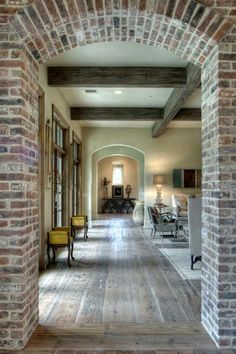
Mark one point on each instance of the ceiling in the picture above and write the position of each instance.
(121, 54)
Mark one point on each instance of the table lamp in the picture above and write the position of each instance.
(159, 180)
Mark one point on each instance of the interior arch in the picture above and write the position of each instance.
(115, 150)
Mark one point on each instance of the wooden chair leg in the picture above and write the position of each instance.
(86, 231)
(154, 233)
(54, 254)
(85, 236)
(72, 250)
(68, 258)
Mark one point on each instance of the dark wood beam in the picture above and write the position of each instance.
(189, 114)
(83, 76)
(177, 99)
(133, 114)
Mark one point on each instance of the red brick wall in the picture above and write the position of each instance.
(219, 203)
(47, 28)
(18, 191)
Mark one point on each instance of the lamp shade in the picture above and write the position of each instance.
(159, 179)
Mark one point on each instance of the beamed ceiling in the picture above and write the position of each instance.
(157, 88)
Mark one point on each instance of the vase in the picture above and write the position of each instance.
(138, 213)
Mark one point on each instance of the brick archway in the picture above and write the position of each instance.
(47, 28)
(188, 29)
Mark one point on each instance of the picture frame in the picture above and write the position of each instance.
(187, 178)
(117, 191)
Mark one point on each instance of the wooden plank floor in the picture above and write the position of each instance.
(118, 276)
(121, 294)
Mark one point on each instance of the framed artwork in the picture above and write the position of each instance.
(187, 178)
(117, 191)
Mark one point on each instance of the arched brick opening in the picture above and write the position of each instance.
(47, 28)
(191, 30)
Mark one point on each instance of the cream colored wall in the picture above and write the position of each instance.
(130, 169)
(176, 148)
(54, 96)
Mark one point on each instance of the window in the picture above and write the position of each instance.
(117, 174)
(76, 178)
(59, 163)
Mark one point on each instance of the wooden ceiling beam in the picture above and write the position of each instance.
(177, 99)
(189, 114)
(84, 76)
(131, 114)
(116, 113)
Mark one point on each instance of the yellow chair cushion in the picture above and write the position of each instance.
(58, 238)
(78, 221)
(62, 228)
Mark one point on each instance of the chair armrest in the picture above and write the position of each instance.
(168, 217)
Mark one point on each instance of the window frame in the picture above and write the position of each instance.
(76, 166)
(60, 151)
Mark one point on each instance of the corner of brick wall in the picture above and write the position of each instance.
(219, 192)
(18, 191)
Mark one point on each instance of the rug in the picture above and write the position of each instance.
(180, 260)
(166, 241)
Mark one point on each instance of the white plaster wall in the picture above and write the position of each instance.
(176, 148)
(54, 96)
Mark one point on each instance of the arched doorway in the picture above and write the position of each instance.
(117, 150)
(192, 31)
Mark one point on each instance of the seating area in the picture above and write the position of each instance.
(183, 224)
(63, 236)
(162, 222)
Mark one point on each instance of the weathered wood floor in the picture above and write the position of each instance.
(118, 276)
(120, 294)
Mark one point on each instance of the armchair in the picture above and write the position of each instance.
(79, 222)
(161, 222)
(60, 237)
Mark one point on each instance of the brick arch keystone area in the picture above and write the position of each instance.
(186, 28)
(45, 28)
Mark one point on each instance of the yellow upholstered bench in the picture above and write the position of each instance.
(79, 222)
(60, 237)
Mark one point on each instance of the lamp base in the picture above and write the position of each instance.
(158, 196)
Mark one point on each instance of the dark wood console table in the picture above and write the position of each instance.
(118, 205)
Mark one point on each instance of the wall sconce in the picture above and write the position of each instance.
(158, 181)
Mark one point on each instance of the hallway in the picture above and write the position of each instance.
(121, 294)
(118, 276)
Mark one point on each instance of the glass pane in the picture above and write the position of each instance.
(117, 175)
(58, 188)
(61, 138)
(54, 131)
(59, 201)
(59, 218)
(75, 151)
(58, 135)
(59, 170)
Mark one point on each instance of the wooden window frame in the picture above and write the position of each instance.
(62, 152)
(76, 163)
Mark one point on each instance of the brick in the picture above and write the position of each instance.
(48, 27)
